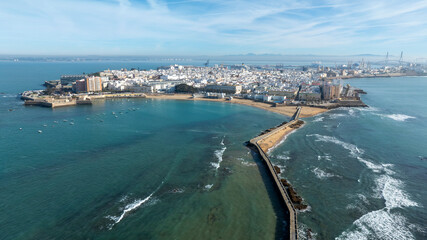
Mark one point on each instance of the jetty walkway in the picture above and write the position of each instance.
(293, 228)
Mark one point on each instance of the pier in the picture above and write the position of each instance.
(256, 142)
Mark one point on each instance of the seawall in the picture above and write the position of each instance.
(277, 134)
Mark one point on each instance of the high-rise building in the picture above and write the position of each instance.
(80, 86)
(93, 84)
(89, 84)
(331, 91)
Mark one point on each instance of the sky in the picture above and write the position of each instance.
(213, 27)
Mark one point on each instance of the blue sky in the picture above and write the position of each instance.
(212, 27)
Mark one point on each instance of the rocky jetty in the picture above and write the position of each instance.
(295, 198)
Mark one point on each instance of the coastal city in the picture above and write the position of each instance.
(314, 85)
(191, 119)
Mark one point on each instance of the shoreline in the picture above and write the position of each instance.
(307, 111)
(387, 75)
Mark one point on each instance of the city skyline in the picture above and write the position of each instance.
(212, 27)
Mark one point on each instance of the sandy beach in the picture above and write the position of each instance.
(274, 139)
(277, 136)
(284, 110)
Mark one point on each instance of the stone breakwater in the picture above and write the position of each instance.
(261, 144)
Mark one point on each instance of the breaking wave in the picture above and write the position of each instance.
(399, 117)
(354, 150)
(320, 174)
(326, 157)
(380, 224)
(377, 168)
(128, 208)
(218, 154)
(391, 190)
(305, 233)
(283, 156)
(383, 223)
(396, 117)
(318, 119)
(336, 115)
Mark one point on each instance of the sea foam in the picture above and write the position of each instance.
(320, 174)
(399, 117)
(318, 119)
(391, 190)
(128, 208)
(219, 154)
(336, 115)
(283, 156)
(326, 157)
(380, 224)
(354, 150)
(383, 223)
(396, 117)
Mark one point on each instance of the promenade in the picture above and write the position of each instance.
(256, 142)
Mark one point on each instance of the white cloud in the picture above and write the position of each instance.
(213, 26)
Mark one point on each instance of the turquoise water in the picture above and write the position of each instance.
(360, 170)
(131, 169)
(162, 169)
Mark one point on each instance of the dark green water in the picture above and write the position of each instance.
(137, 169)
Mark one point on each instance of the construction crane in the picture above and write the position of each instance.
(206, 63)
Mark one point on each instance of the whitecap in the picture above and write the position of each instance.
(336, 115)
(326, 157)
(368, 109)
(379, 224)
(396, 117)
(356, 153)
(354, 150)
(391, 190)
(318, 119)
(219, 154)
(377, 168)
(382, 223)
(304, 231)
(320, 174)
(399, 117)
(307, 209)
(128, 208)
(208, 186)
(282, 157)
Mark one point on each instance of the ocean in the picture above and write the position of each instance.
(362, 171)
(162, 169)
